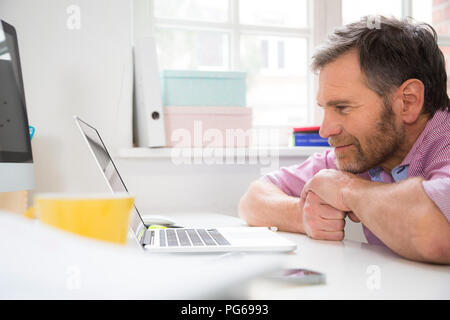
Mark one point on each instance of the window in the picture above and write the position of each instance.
(446, 52)
(267, 39)
(353, 10)
(184, 48)
(271, 41)
(437, 13)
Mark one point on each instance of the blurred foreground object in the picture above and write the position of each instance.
(14, 201)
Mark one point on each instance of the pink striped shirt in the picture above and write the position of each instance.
(428, 158)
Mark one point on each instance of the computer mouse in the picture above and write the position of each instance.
(157, 219)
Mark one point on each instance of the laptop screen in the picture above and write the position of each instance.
(108, 168)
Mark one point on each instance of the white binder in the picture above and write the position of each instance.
(148, 115)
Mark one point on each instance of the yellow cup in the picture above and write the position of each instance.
(99, 216)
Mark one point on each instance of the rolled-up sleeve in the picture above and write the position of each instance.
(437, 178)
(439, 191)
(292, 179)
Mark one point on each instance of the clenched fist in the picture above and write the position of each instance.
(320, 220)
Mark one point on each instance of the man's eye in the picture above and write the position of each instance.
(341, 108)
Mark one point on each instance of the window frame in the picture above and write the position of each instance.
(234, 29)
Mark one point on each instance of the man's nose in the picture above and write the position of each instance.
(330, 126)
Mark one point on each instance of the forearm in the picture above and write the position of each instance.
(402, 216)
(266, 205)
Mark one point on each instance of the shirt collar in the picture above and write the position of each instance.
(399, 173)
(375, 172)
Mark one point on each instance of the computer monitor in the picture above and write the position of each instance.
(16, 159)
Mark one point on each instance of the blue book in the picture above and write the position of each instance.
(309, 140)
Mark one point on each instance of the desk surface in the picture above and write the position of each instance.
(353, 270)
(42, 262)
(47, 266)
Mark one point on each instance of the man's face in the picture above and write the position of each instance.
(357, 122)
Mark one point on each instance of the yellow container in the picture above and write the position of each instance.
(99, 216)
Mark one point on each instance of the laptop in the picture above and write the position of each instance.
(180, 239)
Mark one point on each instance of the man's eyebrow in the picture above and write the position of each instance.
(337, 102)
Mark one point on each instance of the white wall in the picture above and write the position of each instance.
(85, 71)
(162, 186)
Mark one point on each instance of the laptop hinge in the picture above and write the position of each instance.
(148, 237)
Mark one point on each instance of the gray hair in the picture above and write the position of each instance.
(391, 52)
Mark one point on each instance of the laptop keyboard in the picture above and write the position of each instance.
(191, 237)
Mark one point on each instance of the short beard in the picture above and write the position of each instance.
(386, 140)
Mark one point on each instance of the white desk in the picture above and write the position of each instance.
(353, 270)
(42, 262)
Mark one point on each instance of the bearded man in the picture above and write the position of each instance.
(386, 113)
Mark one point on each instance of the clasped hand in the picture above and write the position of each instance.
(323, 206)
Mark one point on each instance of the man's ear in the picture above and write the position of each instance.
(410, 96)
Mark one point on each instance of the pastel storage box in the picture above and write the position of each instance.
(203, 88)
(207, 126)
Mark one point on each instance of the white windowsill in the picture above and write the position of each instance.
(142, 153)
